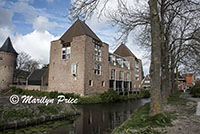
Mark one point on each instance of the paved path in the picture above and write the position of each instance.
(186, 95)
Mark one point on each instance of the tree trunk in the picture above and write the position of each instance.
(172, 74)
(164, 57)
(156, 101)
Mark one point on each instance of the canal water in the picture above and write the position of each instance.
(100, 118)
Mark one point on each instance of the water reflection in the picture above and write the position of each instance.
(100, 119)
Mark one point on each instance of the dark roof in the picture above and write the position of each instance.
(8, 47)
(124, 51)
(37, 74)
(21, 74)
(77, 29)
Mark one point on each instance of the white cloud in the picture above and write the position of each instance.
(42, 24)
(37, 44)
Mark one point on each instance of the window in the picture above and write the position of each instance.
(97, 69)
(103, 83)
(147, 81)
(1, 58)
(66, 52)
(113, 74)
(126, 63)
(121, 75)
(137, 78)
(97, 50)
(120, 62)
(90, 83)
(63, 53)
(74, 68)
(128, 76)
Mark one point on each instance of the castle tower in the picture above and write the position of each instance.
(8, 57)
(78, 62)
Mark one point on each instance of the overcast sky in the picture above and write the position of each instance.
(33, 24)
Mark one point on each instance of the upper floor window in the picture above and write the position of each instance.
(126, 63)
(1, 58)
(112, 59)
(66, 52)
(147, 81)
(97, 69)
(113, 74)
(119, 61)
(121, 75)
(97, 50)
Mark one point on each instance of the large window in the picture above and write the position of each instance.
(97, 69)
(66, 52)
(121, 75)
(113, 74)
(97, 50)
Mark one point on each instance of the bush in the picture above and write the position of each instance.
(144, 93)
(110, 96)
(53, 94)
(195, 91)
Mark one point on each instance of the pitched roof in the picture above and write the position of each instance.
(37, 74)
(124, 51)
(8, 47)
(77, 29)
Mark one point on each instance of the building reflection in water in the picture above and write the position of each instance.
(100, 119)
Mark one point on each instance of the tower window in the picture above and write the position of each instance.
(97, 50)
(90, 83)
(66, 51)
(1, 58)
(97, 69)
(103, 83)
(74, 68)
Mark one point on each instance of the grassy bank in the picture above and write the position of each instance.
(142, 123)
(111, 96)
(46, 128)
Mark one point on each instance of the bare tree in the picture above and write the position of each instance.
(24, 62)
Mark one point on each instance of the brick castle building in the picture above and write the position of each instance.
(81, 63)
